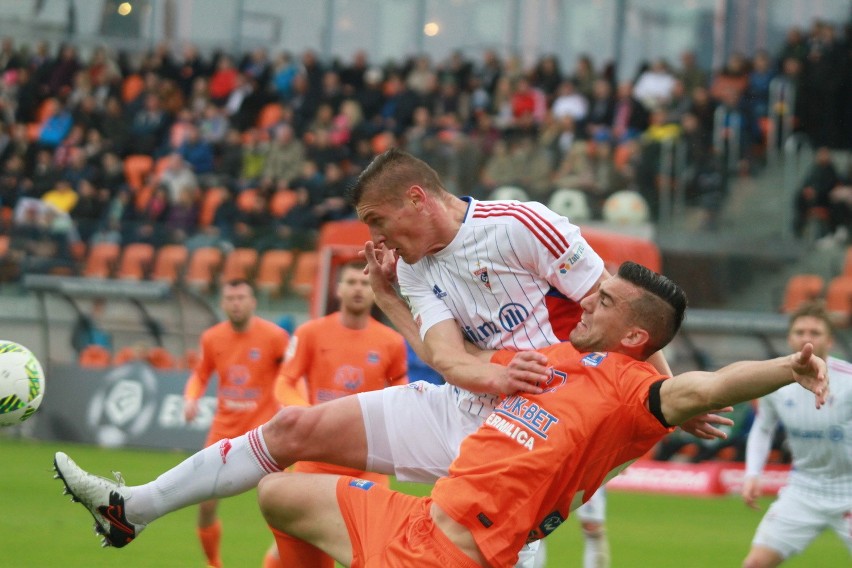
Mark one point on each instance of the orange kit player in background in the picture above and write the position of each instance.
(246, 352)
(343, 353)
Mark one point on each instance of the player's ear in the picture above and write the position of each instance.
(635, 338)
(415, 195)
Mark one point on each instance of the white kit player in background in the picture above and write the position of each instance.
(818, 494)
(506, 271)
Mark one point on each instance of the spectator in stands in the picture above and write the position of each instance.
(89, 210)
(196, 152)
(690, 73)
(601, 110)
(149, 127)
(177, 177)
(62, 197)
(757, 92)
(253, 161)
(116, 128)
(56, 127)
(284, 156)
(570, 102)
(296, 229)
(252, 224)
(13, 181)
(585, 76)
(630, 118)
(181, 218)
(654, 86)
(36, 246)
(547, 76)
(811, 209)
(223, 80)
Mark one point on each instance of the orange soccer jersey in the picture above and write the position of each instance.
(247, 364)
(538, 457)
(337, 361)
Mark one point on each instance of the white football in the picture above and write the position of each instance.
(21, 383)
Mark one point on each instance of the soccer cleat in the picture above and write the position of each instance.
(103, 498)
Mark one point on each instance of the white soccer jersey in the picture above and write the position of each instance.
(820, 440)
(511, 278)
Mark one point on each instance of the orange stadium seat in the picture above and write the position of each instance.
(190, 359)
(128, 354)
(838, 299)
(169, 262)
(270, 115)
(136, 260)
(203, 265)
(210, 202)
(801, 288)
(94, 356)
(282, 201)
(101, 260)
(273, 269)
(352, 232)
(847, 262)
(239, 264)
(137, 168)
(305, 273)
(246, 199)
(131, 87)
(160, 358)
(4, 245)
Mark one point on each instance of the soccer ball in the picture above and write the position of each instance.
(21, 383)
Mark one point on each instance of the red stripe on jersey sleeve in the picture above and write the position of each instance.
(544, 231)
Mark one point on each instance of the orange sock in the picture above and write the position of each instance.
(295, 553)
(210, 538)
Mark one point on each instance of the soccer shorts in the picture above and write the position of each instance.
(414, 430)
(593, 510)
(794, 520)
(394, 530)
(317, 467)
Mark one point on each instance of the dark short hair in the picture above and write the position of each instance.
(391, 173)
(239, 282)
(661, 309)
(353, 264)
(815, 309)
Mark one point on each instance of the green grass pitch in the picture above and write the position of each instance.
(40, 528)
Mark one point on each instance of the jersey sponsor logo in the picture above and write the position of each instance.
(550, 523)
(482, 274)
(573, 259)
(593, 359)
(224, 448)
(512, 315)
(835, 433)
(254, 354)
(521, 420)
(361, 484)
(349, 377)
(373, 357)
(440, 294)
(238, 374)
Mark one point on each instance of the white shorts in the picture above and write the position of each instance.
(414, 432)
(794, 520)
(593, 510)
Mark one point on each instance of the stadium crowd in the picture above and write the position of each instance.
(257, 149)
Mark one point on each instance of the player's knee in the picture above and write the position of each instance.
(287, 435)
(266, 491)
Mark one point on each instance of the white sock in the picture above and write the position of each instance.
(596, 551)
(226, 468)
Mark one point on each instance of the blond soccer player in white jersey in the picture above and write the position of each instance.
(818, 494)
(508, 293)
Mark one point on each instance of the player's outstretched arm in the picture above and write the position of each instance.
(693, 393)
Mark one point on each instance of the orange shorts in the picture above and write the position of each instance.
(317, 467)
(389, 529)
